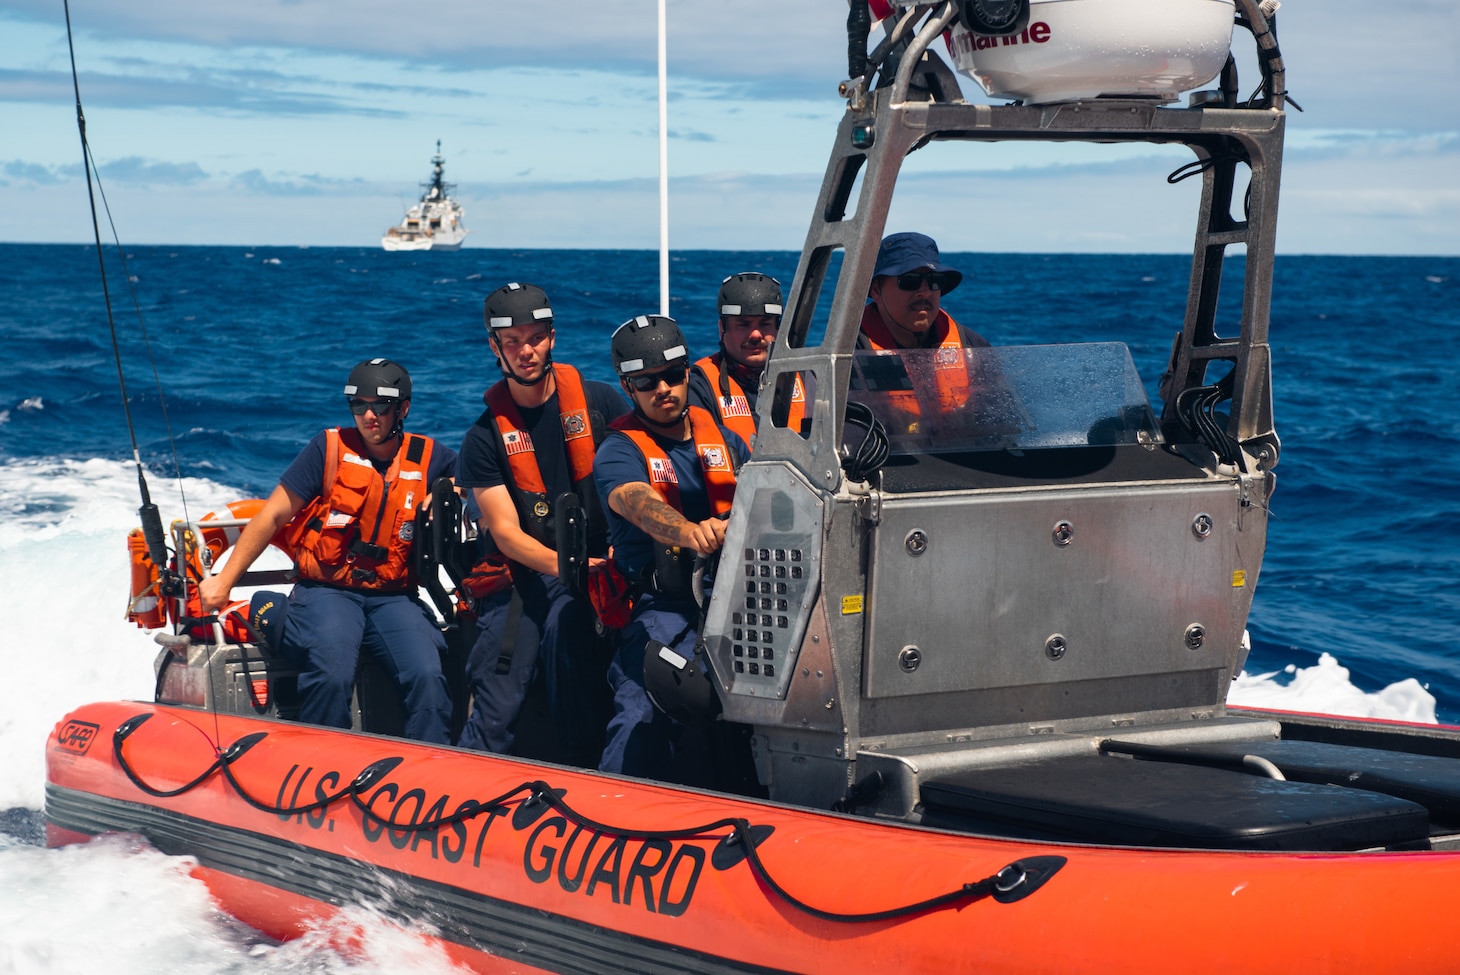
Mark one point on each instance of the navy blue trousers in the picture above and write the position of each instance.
(642, 740)
(555, 635)
(326, 628)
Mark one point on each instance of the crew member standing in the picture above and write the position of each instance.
(904, 312)
(356, 584)
(533, 443)
(905, 300)
(667, 477)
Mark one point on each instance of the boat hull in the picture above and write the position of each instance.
(439, 243)
(593, 875)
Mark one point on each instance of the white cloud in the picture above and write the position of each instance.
(744, 41)
(312, 121)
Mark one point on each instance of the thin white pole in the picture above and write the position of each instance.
(663, 163)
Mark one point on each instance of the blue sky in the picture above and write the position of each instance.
(313, 121)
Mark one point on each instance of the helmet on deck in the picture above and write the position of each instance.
(380, 378)
(517, 304)
(750, 293)
(648, 342)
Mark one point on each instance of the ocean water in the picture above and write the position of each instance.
(1358, 598)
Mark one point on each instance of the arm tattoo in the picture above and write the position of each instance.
(643, 506)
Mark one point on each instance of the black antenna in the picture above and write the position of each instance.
(151, 517)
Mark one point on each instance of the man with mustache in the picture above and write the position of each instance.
(667, 478)
(728, 382)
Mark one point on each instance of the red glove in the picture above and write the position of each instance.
(608, 591)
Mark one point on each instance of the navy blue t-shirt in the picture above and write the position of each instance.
(482, 464)
(305, 475)
(620, 462)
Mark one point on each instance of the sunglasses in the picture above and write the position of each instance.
(913, 280)
(380, 407)
(650, 381)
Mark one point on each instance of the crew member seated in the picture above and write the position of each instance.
(350, 501)
(533, 444)
(666, 475)
(727, 383)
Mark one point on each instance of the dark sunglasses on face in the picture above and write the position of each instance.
(380, 407)
(913, 280)
(650, 381)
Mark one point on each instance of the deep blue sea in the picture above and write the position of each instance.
(1356, 610)
(251, 347)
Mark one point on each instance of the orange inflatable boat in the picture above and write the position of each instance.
(983, 647)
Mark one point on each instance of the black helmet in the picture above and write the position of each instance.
(380, 378)
(648, 342)
(517, 304)
(679, 686)
(750, 293)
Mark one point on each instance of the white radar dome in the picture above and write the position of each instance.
(1074, 49)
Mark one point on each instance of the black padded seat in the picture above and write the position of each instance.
(1128, 802)
(1430, 780)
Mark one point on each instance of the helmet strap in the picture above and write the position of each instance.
(506, 370)
(644, 417)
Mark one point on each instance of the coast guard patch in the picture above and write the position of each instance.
(661, 471)
(575, 424)
(517, 442)
(407, 531)
(714, 458)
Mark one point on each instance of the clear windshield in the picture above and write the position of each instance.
(1009, 397)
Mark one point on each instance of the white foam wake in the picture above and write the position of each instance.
(1325, 688)
(63, 595)
(63, 642)
(141, 912)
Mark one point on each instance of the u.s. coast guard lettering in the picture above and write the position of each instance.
(653, 874)
(660, 874)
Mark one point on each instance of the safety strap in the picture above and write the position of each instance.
(509, 634)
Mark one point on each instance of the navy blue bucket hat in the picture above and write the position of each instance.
(901, 253)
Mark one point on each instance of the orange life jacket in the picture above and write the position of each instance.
(358, 532)
(716, 462)
(953, 387)
(733, 405)
(524, 476)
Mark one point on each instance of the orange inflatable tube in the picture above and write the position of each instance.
(525, 867)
